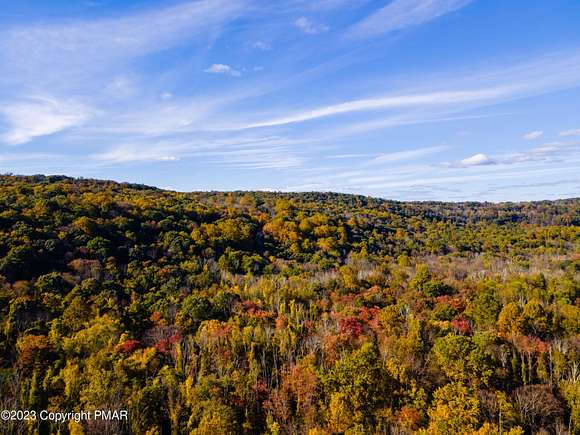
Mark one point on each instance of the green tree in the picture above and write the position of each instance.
(463, 359)
(359, 385)
(455, 410)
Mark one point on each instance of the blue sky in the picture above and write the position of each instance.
(403, 99)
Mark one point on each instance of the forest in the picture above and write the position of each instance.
(286, 313)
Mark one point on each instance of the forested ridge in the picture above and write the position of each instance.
(286, 313)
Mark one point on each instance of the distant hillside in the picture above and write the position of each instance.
(563, 211)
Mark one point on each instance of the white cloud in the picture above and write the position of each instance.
(574, 132)
(347, 156)
(453, 92)
(61, 52)
(550, 152)
(480, 177)
(236, 152)
(533, 135)
(400, 14)
(406, 155)
(220, 68)
(479, 159)
(256, 157)
(309, 27)
(261, 45)
(469, 177)
(325, 5)
(476, 160)
(35, 117)
(388, 102)
(128, 153)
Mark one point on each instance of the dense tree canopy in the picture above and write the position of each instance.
(275, 313)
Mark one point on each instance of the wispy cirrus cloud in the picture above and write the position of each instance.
(555, 151)
(400, 14)
(387, 102)
(271, 157)
(40, 116)
(468, 177)
(136, 153)
(573, 132)
(323, 5)
(405, 175)
(86, 64)
(399, 156)
(241, 152)
(552, 151)
(75, 49)
(457, 90)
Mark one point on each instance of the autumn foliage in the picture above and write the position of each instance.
(271, 313)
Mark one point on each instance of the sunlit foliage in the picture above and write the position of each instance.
(314, 313)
